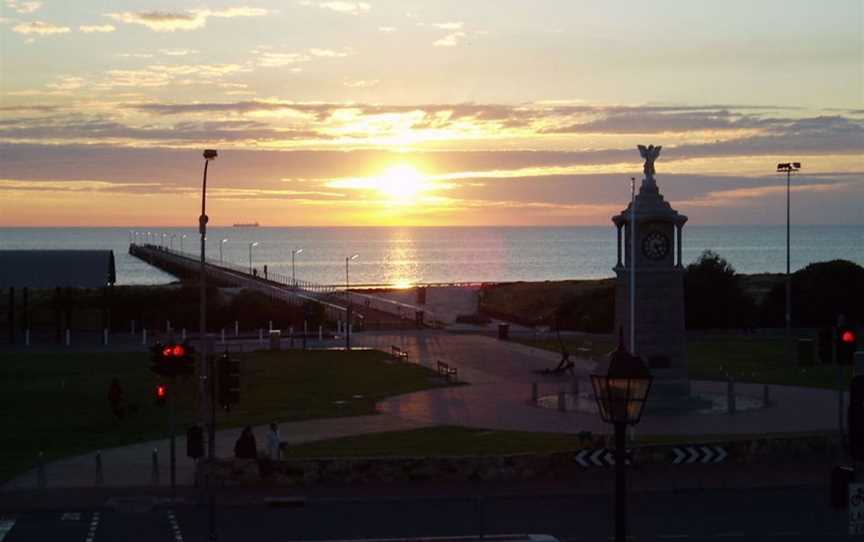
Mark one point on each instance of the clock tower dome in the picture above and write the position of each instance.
(658, 295)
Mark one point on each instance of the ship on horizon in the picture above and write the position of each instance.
(246, 225)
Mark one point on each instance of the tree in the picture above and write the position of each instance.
(713, 296)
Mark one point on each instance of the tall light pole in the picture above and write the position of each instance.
(293, 254)
(181, 241)
(222, 242)
(632, 264)
(164, 236)
(348, 303)
(788, 168)
(205, 383)
(252, 244)
(171, 240)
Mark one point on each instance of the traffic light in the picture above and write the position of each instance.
(229, 380)
(856, 418)
(161, 394)
(172, 359)
(847, 343)
(195, 442)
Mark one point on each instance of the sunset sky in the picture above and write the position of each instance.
(402, 112)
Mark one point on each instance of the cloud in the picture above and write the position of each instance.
(330, 53)
(450, 40)
(170, 21)
(92, 29)
(67, 82)
(40, 28)
(387, 28)
(177, 52)
(360, 83)
(449, 26)
(23, 7)
(351, 8)
(269, 59)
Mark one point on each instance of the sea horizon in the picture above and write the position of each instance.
(405, 255)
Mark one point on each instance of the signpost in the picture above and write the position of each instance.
(856, 509)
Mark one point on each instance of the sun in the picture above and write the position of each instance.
(402, 183)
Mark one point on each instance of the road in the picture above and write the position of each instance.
(798, 514)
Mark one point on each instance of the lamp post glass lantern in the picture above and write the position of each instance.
(621, 395)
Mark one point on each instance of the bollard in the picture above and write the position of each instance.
(183, 334)
(99, 476)
(144, 337)
(154, 478)
(105, 337)
(562, 401)
(236, 328)
(26, 337)
(68, 337)
(320, 333)
(766, 397)
(167, 326)
(260, 336)
(223, 335)
(730, 395)
(575, 385)
(40, 470)
(535, 392)
(132, 327)
(270, 325)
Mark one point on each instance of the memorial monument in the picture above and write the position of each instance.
(660, 337)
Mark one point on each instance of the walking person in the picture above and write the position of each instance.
(115, 397)
(274, 442)
(246, 447)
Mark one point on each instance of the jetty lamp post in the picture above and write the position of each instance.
(621, 395)
(293, 279)
(252, 244)
(171, 240)
(222, 242)
(181, 241)
(203, 368)
(788, 168)
(348, 303)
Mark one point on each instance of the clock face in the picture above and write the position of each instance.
(655, 245)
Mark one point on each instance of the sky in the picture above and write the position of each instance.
(404, 112)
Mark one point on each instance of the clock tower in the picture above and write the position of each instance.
(656, 266)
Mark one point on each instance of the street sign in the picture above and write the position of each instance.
(856, 508)
(698, 454)
(598, 457)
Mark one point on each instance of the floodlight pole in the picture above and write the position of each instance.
(788, 168)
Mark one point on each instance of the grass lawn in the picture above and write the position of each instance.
(452, 440)
(747, 359)
(58, 402)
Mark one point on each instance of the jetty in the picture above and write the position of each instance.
(367, 311)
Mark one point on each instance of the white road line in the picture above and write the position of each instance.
(6, 526)
(94, 524)
(175, 527)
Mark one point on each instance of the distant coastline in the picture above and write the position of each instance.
(246, 225)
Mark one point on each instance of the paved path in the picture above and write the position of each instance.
(500, 374)
(133, 465)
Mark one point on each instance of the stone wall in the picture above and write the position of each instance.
(348, 471)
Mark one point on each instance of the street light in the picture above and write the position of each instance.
(181, 241)
(222, 242)
(621, 395)
(293, 254)
(205, 382)
(252, 244)
(788, 168)
(348, 303)
(171, 240)
(164, 236)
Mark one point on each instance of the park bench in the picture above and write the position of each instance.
(451, 373)
(398, 354)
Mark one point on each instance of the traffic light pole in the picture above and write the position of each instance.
(172, 429)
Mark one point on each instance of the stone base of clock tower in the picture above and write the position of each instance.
(661, 339)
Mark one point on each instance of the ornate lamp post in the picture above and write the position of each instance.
(621, 395)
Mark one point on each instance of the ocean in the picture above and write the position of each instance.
(405, 255)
